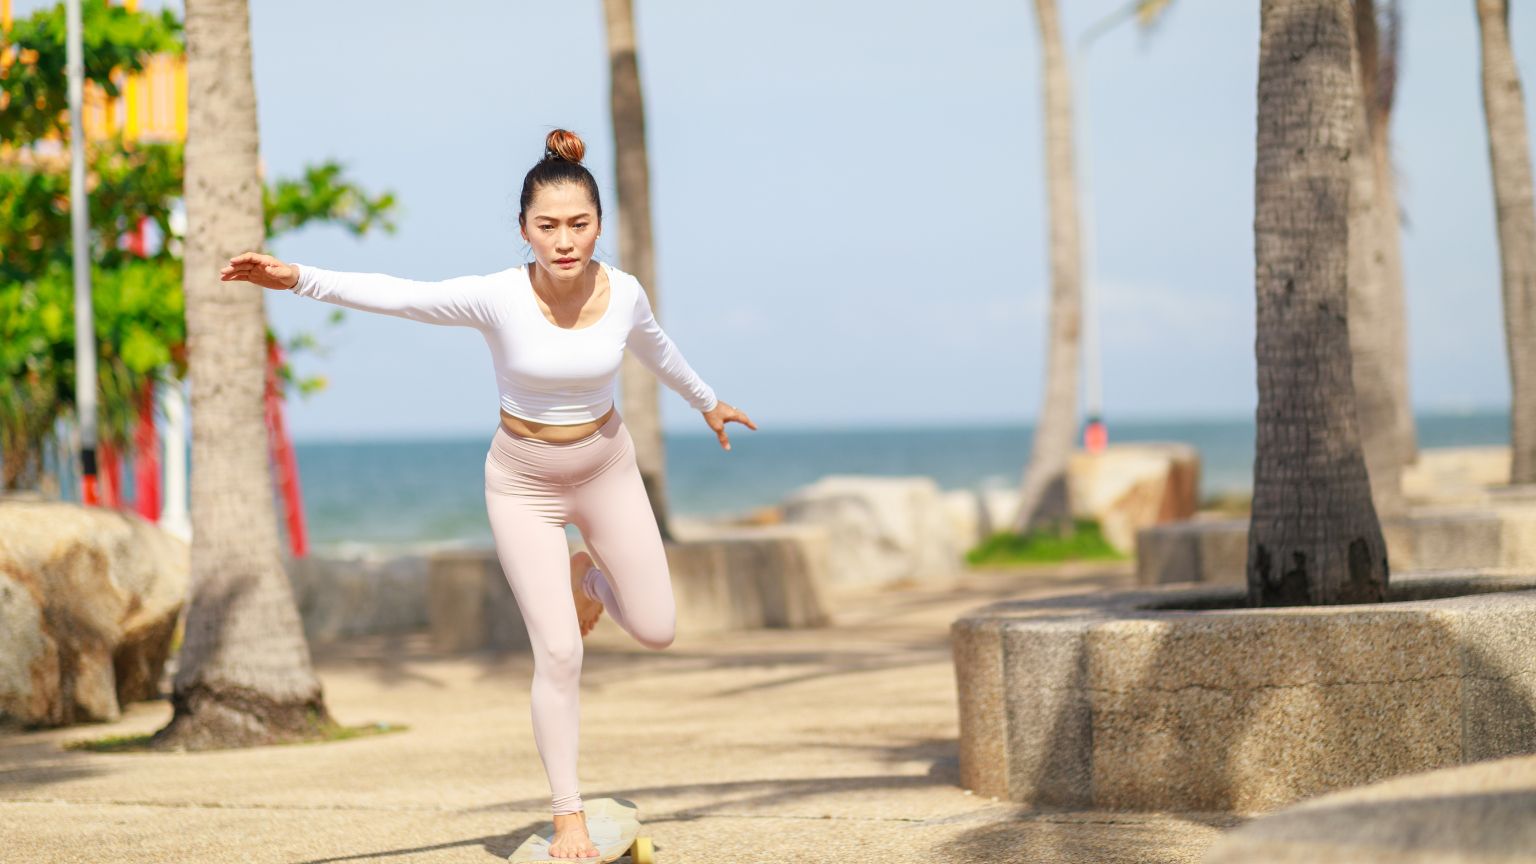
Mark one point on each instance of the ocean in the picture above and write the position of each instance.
(401, 494)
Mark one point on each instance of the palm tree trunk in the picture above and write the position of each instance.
(1509, 154)
(641, 392)
(1371, 330)
(244, 675)
(1379, 53)
(1044, 497)
(1394, 308)
(1314, 536)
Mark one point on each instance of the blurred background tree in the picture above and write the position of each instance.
(135, 184)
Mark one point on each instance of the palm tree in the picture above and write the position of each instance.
(1378, 39)
(1044, 497)
(1509, 154)
(244, 675)
(641, 392)
(1314, 535)
(1378, 321)
(1376, 331)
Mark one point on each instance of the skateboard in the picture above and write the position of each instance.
(614, 826)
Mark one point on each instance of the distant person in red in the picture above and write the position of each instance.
(557, 328)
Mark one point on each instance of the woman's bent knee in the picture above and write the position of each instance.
(658, 636)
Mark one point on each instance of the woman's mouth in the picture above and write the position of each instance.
(565, 262)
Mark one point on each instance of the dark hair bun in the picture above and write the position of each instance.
(564, 144)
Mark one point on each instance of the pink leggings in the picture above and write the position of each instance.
(532, 489)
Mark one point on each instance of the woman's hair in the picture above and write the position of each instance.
(561, 164)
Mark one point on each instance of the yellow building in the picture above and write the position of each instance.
(153, 104)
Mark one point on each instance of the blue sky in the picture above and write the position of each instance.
(848, 204)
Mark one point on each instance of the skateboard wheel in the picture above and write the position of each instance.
(643, 852)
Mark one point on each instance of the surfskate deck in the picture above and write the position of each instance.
(612, 823)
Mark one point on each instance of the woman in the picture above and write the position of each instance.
(557, 329)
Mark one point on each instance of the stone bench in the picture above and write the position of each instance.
(725, 578)
(341, 595)
(1430, 538)
(1135, 700)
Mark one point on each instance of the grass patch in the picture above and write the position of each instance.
(1084, 542)
(1229, 503)
(111, 744)
(140, 743)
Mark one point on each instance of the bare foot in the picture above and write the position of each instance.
(587, 609)
(571, 839)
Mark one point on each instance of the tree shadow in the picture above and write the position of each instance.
(31, 769)
(390, 658)
(724, 798)
(1076, 838)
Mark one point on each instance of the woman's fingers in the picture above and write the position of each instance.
(248, 261)
(256, 267)
(726, 414)
(739, 416)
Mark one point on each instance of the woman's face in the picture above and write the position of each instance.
(561, 225)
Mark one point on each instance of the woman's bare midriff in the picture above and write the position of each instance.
(552, 432)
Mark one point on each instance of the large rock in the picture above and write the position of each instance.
(1186, 701)
(1127, 487)
(882, 529)
(89, 601)
(1124, 488)
(966, 510)
(998, 508)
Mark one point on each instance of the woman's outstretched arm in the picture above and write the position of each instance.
(464, 301)
(651, 344)
(659, 354)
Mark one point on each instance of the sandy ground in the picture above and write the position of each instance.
(823, 745)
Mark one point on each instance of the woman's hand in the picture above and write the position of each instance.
(719, 415)
(259, 269)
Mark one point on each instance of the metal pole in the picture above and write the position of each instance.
(173, 512)
(1095, 433)
(79, 219)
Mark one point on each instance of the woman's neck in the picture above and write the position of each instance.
(549, 286)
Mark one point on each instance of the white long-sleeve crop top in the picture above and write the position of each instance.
(545, 373)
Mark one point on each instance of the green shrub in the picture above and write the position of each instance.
(1045, 545)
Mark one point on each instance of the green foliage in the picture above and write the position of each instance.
(126, 181)
(36, 353)
(1045, 545)
(35, 80)
(137, 318)
(138, 304)
(323, 195)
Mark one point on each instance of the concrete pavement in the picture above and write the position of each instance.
(766, 746)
